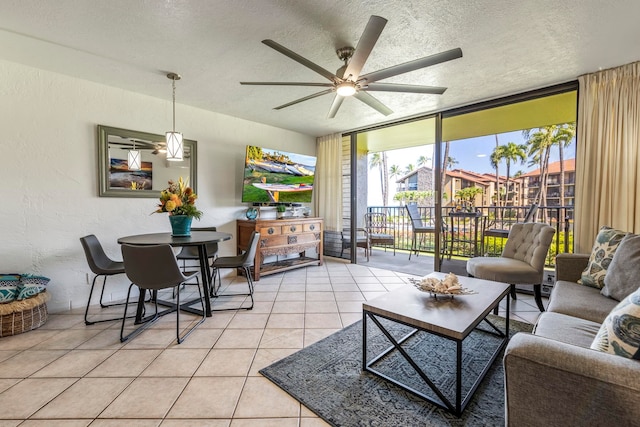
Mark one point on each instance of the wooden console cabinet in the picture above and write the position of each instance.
(281, 237)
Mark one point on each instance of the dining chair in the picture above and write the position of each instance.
(522, 260)
(153, 268)
(244, 261)
(190, 253)
(100, 265)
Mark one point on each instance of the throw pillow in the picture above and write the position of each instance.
(31, 286)
(620, 332)
(622, 275)
(607, 241)
(9, 287)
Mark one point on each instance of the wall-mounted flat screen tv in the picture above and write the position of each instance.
(276, 176)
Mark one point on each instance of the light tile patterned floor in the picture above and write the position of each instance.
(66, 373)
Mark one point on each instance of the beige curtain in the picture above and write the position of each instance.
(328, 181)
(608, 154)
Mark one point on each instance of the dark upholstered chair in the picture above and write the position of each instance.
(190, 253)
(153, 268)
(522, 260)
(101, 265)
(244, 262)
(378, 230)
(362, 240)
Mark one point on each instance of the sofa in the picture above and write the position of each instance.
(554, 378)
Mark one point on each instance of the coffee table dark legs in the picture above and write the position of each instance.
(460, 402)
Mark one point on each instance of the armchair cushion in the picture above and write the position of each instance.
(620, 332)
(607, 241)
(502, 270)
(622, 275)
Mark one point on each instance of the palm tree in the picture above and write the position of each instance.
(379, 160)
(410, 168)
(565, 135)
(511, 152)
(540, 143)
(495, 163)
(424, 161)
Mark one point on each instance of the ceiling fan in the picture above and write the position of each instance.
(347, 81)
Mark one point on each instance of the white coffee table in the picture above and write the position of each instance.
(452, 319)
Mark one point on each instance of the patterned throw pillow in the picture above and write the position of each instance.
(620, 332)
(607, 241)
(9, 287)
(31, 286)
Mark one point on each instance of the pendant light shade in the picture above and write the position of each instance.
(133, 159)
(174, 146)
(174, 139)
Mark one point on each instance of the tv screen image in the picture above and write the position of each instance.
(276, 176)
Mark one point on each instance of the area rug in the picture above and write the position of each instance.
(327, 378)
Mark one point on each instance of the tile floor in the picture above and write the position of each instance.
(69, 374)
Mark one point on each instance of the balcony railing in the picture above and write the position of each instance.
(463, 236)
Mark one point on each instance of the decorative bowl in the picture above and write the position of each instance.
(449, 286)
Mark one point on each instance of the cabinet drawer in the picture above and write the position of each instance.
(269, 231)
(314, 226)
(292, 229)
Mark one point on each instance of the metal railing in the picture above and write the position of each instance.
(464, 234)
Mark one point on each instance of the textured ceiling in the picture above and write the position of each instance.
(508, 47)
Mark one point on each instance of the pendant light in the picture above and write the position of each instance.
(133, 158)
(174, 139)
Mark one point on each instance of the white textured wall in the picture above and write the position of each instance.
(48, 173)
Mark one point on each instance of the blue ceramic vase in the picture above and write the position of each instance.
(180, 225)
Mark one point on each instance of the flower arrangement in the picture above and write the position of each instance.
(179, 199)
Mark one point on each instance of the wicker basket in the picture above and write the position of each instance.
(21, 316)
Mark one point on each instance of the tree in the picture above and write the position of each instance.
(410, 168)
(495, 163)
(424, 161)
(468, 195)
(540, 143)
(511, 152)
(565, 135)
(447, 163)
(379, 160)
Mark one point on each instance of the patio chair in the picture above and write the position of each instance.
(362, 241)
(504, 233)
(522, 260)
(418, 228)
(378, 230)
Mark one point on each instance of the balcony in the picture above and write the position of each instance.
(463, 235)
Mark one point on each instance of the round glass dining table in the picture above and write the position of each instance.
(197, 238)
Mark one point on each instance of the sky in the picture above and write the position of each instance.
(471, 154)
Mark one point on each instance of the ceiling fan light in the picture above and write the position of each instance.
(346, 89)
(174, 146)
(133, 160)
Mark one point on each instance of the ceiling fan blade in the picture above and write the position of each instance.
(304, 61)
(287, 84)
(315, 95)
(365, 45)
(413, 65)
(394, 87)
(373, 103)
(335, 106)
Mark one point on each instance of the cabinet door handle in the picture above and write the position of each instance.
(270, 230)
(312, 227)
(292, 228)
